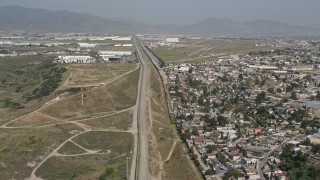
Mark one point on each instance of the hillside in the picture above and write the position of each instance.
(39, 20)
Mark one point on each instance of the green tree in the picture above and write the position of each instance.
(221, 157)
(261, 97)
(195, 131)
(318, 96)
(222, 120)
(294, 95)
(316, 148)
(232, 173)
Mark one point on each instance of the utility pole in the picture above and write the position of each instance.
(127, 167)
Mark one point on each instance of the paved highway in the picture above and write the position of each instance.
(140, 164)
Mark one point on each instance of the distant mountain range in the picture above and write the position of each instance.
(14, 18)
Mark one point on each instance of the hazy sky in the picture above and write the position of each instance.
(296, 12)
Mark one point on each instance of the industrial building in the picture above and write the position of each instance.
(122, 39)
(114, 55)
(172, 40)
(75, 59)
(87, 45)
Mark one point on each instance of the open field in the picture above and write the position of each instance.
(118, 143)
(83, 167)
(23, 148)
(237, 46)
(193, 49)
(196, 51)
(97, 73)
(19, 147)
(165, 138)
(172, 54)
(118, 95)
(70, 148)
(67, 108)
(121, 121)
(180, 166)
(33, 119)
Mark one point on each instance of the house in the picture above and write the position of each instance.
(198, 140)
(246, 161)
(257, 130)
(313, 104)
(317, 156)
(279, 175)
(252, 174)
(231, 165)
(209, 142)
(211, 156)
(315, 138)
(215, 161)
(184, 69)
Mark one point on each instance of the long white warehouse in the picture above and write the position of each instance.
(75, 59)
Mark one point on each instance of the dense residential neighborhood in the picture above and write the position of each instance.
(251, 115)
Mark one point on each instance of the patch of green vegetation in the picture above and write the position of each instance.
(19, 147)
(83, 167)
(25, 79)
(70, 168)
(234, 173)
(7, 103)
(170, 54)
(50, 77)
(11, 64)
(70, 148)
(116, 169)
(119, 143)
(297, 165)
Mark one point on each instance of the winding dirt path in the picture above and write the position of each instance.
(59, 99)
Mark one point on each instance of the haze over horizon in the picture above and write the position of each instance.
(182, 12)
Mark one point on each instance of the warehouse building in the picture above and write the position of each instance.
(75, 59)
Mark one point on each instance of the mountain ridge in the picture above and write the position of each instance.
(16, 17)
